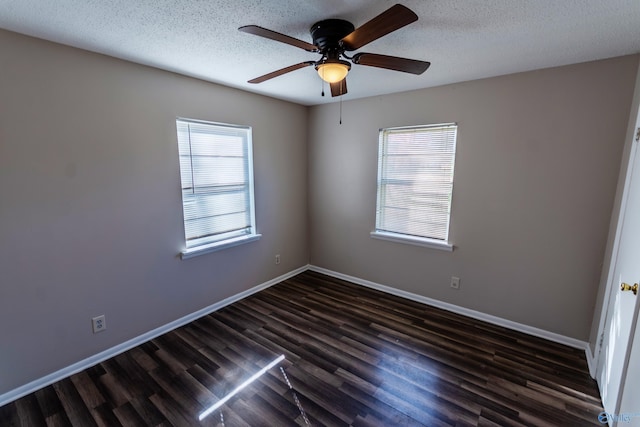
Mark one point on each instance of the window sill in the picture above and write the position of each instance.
(410, 240)
(217, 246)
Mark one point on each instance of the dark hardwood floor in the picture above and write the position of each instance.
(353, 356)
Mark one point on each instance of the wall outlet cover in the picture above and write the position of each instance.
(99, 323)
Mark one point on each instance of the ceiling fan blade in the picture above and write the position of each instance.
(339, 88)
(412, 66)
(273, 35)
(281, 71)
(392, 19)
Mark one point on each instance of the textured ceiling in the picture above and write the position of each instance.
(463, 39)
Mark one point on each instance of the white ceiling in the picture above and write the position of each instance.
(463, 39)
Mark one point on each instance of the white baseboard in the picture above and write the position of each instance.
(134, 342)
(591, 361)
(530, 330)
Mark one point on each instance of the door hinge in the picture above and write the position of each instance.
(637, 134)
(601, 340)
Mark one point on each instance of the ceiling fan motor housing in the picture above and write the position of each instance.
(327, 34)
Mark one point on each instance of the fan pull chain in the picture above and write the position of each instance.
(340, 109)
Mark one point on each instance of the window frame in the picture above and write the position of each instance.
(206, 245)
(380, 232)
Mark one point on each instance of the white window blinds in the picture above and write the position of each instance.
(217, 181)
(415, 180)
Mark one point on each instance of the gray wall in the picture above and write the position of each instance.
(90, 204)
(608, 267)
(536, 170)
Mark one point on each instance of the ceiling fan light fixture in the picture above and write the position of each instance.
(333, 71)
(333, 37)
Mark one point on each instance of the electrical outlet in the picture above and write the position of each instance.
(99, 324)
(455, 282)
(278, 259)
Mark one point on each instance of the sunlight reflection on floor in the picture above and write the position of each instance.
(219, 405)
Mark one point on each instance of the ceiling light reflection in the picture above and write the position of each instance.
(238, 389)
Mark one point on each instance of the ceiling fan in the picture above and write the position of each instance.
(333, 37)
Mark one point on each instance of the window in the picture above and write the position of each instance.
(216, 172)
(415, 184)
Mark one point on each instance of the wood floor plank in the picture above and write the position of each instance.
(29, 412)
(87, 389)
(128, 416)
(49, 403)
(377, 410)
(172, 410)
(354, 356)
(72, 403)
(113, 388)
(58, 420)
(146, 410)
(104, 416)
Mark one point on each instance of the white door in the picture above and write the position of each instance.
(622, 313)
(630, 404)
